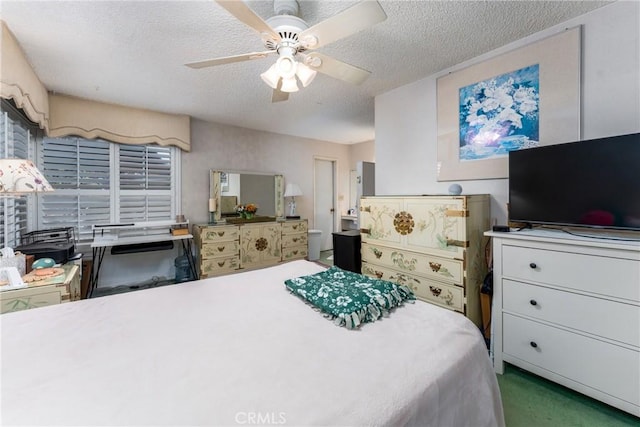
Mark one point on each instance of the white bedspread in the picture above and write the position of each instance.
(241, 350)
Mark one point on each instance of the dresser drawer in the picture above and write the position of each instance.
(295, 252)
(442, 294)
(611, 276)
(27, 298)
(290, 240)
(220, 249)
(442, 269)
(574, 356)
(614, 320)
(294, 227)
(219, 234)
(215, 266)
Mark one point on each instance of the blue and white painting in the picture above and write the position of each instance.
(500, 114)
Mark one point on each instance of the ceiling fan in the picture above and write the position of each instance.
(291, 38)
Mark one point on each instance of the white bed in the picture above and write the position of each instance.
(241, 350)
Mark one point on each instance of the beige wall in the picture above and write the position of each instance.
(362, 152)
(223, 147)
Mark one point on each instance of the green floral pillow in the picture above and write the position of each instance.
(350, 299)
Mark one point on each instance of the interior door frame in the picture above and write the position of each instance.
(334, 164)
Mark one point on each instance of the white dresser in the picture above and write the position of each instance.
(567, 308)
(432, 244)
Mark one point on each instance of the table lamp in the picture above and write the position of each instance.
(292, 190)
(20, 176)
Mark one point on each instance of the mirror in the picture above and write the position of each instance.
(353, 192)
(230, 188)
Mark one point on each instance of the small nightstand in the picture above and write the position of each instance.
(346, 250)
(56, 290)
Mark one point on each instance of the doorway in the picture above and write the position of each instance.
(324, 190)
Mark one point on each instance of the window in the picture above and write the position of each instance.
(100, 182)
(16, 137)
(95, 181)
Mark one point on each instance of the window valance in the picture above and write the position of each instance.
(20, 83)
(127, 125)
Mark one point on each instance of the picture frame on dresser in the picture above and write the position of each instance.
(557, 103)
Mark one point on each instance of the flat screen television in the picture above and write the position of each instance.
(593, 183)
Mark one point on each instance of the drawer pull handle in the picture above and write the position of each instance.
(533, 302)
(533, 344)
(221, 264)
(533, 265)
(221, 233)
(220, 249)
(435, 291)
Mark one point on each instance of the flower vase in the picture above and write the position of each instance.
(248, 215)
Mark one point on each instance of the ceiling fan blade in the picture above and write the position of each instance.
(243, 13)
(229, 59)
(336, 69)
(350, 21)
(278, 95)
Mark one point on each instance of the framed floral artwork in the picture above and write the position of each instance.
(520, 99)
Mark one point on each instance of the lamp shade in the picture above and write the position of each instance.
(271, 76)
(292, 190)
(20, 176)
(289, 85)
(305, 74)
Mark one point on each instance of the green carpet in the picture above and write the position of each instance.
(532, 401)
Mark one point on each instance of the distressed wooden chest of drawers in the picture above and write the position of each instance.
(432, 244)
(217, 249)
(224, 248)
(294, 240)
(55, 290)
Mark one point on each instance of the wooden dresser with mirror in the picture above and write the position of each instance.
(232, 243)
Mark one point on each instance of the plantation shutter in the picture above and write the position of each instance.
(101, 182)
(145, 174)
(79, 171)
(14, 143)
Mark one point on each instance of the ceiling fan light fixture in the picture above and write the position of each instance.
(286, 65)
(305, 74)
(271, 76)
(289, 85)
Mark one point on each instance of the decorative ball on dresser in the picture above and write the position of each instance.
(455, 189)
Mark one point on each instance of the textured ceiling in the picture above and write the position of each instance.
(133, 53)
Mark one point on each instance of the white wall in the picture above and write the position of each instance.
(406, 122)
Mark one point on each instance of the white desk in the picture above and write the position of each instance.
(108, 236)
